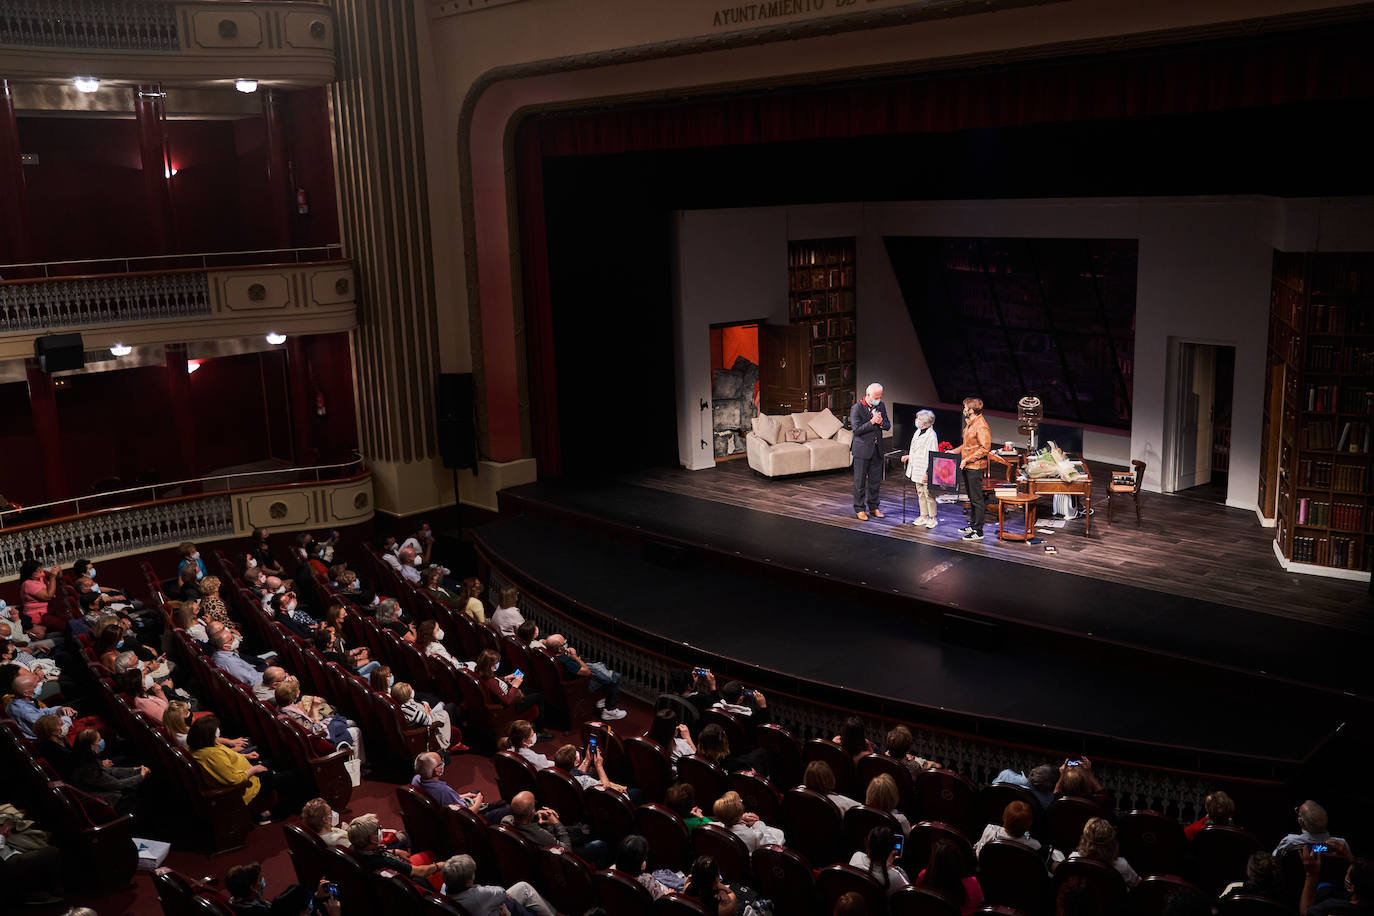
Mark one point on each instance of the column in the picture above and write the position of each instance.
(183, 413)
(151, 115)
(303, 449)
(280, 199)
(15, 246)
(43, 403)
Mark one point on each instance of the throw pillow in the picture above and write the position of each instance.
(825, 424)
(795, 435)
(767, 428)
(802, 420)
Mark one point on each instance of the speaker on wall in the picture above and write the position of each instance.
(56, 352)
(457, 427)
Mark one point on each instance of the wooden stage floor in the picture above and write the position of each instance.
(1183, 546)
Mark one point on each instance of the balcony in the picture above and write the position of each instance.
(177, 299)
(289, 42)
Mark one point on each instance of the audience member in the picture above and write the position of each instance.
(729, 811)
(247, 888)
(882, 793)
(682, 798)
(1040, 781)
(851, 903)
(601, 677)
(365, 837)
(507, 615)
(571, 760)
(30, 866)
(389, 617)
(37, 587)
(22, 706)
(542, 827)
(1076, 780)
(714, 745)
(853, 740)
(323, 821)
(429, 640)
(633, 859)
(225, 767)
(147, 694)
(261, 553)
(190, 556)
(266, 691)
(672, 736)
(1220, 811)
(410, 563)
(460, 874)
(947, 873)
(226, 658)
(1263, 878)
(1358, 896)
(422, 715)
(1313, 823)
(1099, 842)
(705, 887)
(521, 739)
(471, 595)
(506, 690)
(879, 859)
(820, 778)
(1017, 820)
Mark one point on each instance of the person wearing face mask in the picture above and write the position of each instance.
(247, 888)
(429, 640)
(52, 744)
(147, 695)
(261, 553)
(420, 714)
(93, 772)
(226, 767)
(271, 677)
(225, 656)
(290, 613)
(365, 838)
(25, 710)
(324, 822)
(422, 542)
(429, 779)
(869, 419)
(45, 669)
(973, 464)
(190, 556)
(410, 565)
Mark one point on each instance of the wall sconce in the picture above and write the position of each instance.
(246, 85)
(275, 338)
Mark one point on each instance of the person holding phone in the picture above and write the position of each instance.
(570, 759)
(602, 678)
(1076, 779)
(1312, 820)
(879, 857)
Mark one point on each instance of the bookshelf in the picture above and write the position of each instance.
(820, 294)
(1321, 424)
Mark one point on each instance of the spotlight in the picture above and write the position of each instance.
(274, 338)
(192, 365)
(86, 84)
(120, 350)
(246, 85)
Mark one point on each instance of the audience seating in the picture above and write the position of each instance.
(784, 876)
(621, 895)
(1014, 875)
(514, 774)
(669, 846)
(993, 801)
(1102, 882)
(609, 813)
(731, 724)
(308, 853)
(567, 700)
(557, 789)
(784, 754)
(860, 819)
(920, 901)
(425, 822)
(870, 766)
(923, 837)
(1152, 895)
(1219, 856)
(729, 851)
(813, 825)
(650, 769)
(1332, 872)
(1151, 842)
(569, 883)
(1251, 905)
(835, 881)
(840, 763)
(1064, 820)
(708, 780)
(678, 905)
(514, 855)
(759, 796)
(944, 795)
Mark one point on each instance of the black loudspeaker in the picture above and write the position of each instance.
(56, 352)
(457, 428)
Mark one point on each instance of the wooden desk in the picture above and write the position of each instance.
(1053, 486)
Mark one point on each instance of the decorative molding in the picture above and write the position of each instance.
(286, 42)
(118, 532)
(180, 305)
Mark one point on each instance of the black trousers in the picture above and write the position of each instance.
(977, 499)
(868, 476)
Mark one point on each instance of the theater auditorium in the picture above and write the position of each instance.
(612, 458)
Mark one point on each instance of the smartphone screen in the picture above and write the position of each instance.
(1074, 763)
(1319, 848)
(591, 743)
(517, 673)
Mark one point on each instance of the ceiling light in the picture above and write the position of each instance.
(120, 350)
(246, 85)
(168, 171)
(274, 338)
(86, 84)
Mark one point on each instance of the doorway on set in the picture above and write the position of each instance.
(734, 386)
(1202, 436)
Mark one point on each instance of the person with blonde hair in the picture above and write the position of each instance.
(323, 821)
(1099, 842)
(729, 810)
(883, 794)
(1220, 812)
(422, 715)
(917, 462)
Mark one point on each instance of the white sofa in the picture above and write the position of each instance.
(825, 446)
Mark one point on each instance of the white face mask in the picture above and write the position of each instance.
(216, 734)
(95, 588)
(438, 635)
(416, 562)
(91, 572)
(379, 834)
(333, 818)
(148, 682)
(66, 727)
(234, 646)
(196, 555)
(291, 606)
(252, 562)
(280, 590)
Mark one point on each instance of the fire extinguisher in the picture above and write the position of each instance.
(302, 202)
(321, 409)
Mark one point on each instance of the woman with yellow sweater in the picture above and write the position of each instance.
(226, 767)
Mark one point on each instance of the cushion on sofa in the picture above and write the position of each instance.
(787, 458)
(797, 434)
(767, 428)
(827, 454)
(802, 420)
(825, 424)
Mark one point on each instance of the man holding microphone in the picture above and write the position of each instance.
(868, 419)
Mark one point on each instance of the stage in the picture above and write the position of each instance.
(967, 634)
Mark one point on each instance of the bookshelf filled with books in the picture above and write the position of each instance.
(1321, 347)
(820, 294)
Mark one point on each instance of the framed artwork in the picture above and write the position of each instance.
(943, 471)
(820, 379)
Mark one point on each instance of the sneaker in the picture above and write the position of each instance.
(966, 530)
(921, 520)
(610, 715)
(601, 703)
(974, 536)
(930, 523)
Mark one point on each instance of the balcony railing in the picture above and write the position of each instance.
(139, 519)
(178, 298)
(115, 25)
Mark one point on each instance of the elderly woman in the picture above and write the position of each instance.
(310, 712)
(729, 810)
(177, 722)
(190, 556)
(917, 462)
(422, 715)
(224, 767)
(93, 772)
(323, 821)
(1099, 842)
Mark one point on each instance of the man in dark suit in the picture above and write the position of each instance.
(868, 418)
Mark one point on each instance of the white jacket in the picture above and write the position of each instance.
(922, 444)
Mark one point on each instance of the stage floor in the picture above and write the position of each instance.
(1191, 679)
(1183, 547)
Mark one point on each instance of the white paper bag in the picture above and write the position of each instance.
(151, 853)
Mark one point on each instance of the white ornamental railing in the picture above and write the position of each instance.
(87, 301)
(119, 25)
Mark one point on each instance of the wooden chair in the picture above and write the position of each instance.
(1122, 490)
(1014, 875)
(1151, 842)
(783, 876)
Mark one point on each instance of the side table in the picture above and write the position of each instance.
(1026, 503)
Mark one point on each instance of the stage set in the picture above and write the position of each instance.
(1175, 640)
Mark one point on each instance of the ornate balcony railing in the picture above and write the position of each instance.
(168, 41)
(181, 298)
(132, 521)
(119, 25)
